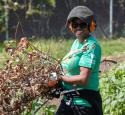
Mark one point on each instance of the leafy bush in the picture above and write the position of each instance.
(113, 91)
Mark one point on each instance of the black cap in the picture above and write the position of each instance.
(81, 12)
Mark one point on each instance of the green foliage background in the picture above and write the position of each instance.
(113, 91)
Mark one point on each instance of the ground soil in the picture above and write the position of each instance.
(108, 62)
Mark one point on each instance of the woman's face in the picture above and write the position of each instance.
(80, 29)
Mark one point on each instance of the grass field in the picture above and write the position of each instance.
(1, 47)
(113, 47)
(59, 47)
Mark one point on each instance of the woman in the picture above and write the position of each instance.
(81, 67)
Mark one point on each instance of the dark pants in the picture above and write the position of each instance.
(74, 110)
(93, 97)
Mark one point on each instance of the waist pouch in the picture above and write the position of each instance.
(93, 97)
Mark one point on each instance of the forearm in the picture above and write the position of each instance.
(79, 79)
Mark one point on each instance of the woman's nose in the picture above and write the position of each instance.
(78, 27)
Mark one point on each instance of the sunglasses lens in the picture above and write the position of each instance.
(74, 25)
(81, 25)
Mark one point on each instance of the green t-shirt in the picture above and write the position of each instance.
(86, 54)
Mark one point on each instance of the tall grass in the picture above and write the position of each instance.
(1, 47)
(58, 48)
(113, 47)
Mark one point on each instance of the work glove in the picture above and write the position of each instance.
(56, 84)
(53, 80)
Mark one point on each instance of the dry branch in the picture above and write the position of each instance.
(25, 77)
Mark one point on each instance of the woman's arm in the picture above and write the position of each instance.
(81, 79)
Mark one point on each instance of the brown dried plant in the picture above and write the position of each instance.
(25, 77)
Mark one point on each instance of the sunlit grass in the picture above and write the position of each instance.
(113, 47)
(1, 47)
(59, 47)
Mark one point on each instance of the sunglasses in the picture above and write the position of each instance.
(81, 25)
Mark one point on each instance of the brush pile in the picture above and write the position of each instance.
(25, 77)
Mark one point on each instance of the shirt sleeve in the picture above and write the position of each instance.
(89, 57)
